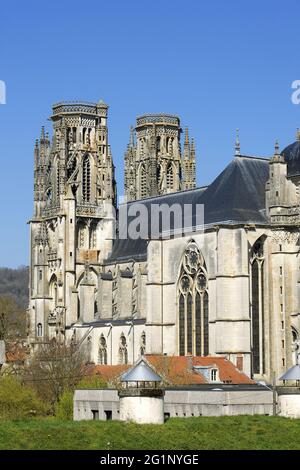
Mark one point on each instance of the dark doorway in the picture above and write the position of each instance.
(95, 414)
(108, 414)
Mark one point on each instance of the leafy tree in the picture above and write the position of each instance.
(18, 401)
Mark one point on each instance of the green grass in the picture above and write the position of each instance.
(232, 432)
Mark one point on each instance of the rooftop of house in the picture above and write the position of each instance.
(182, 370)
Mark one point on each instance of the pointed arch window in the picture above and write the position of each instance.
(143, 344)
(123, 352)
(257, 306)
(193, 306)
(39, 330)
(170, 176)
(102, 356)
(86, 179)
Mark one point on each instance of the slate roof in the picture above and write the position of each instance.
(292, 374)
(292, 156)
(237, 195)
(141, 372)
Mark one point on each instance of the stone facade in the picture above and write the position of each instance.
(230, 289)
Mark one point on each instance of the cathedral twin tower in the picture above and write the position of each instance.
(154, 164)
(74, 196)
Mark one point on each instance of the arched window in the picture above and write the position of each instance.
(39, 330)
(193, 307)
(143, 181)
(170, 176)
(257, 305)
(295, 347)
(123, 352)
(102, 356)
(86, 179)
(143, 344)
(53, 292)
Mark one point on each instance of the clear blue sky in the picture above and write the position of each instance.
(219, 65)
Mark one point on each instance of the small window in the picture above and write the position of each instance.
(283, 361)
(280, 247)
(280, 290)
(282, 325)
(213, 375)
(282, 343)
(71, 254)
(277, 193)
(41, 275)
(280, 269)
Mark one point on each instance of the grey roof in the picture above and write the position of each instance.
(237, 195)
(141, 372)
(292, 156)
(292, 374)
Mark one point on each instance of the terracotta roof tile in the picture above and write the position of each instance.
(179, 370)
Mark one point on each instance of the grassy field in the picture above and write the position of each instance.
(241, 432)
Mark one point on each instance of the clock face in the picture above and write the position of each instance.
(201, 282)
(185, 283)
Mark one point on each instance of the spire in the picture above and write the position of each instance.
(193, 148)
(131, 141)
(237, 144)
(276, 151)
(186, 150)
(43, 134)
(186, 136)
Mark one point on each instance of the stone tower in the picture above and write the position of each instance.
(71, 231)
(153, 161)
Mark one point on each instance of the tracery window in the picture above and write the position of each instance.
(143, 344)
(102, 356)
(193, 308)
(257, 305)
(86, 179)
(123, 352)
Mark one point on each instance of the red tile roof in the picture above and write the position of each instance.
(179, 370)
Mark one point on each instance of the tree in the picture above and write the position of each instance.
(12, 320)
(18, 401)
(54, 368)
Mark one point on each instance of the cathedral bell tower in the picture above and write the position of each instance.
(153, 161)
(72, 227)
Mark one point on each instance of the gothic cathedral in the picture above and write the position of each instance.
(230, 288)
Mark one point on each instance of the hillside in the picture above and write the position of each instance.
(14, 283)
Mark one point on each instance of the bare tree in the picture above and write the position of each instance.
(54, 368)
